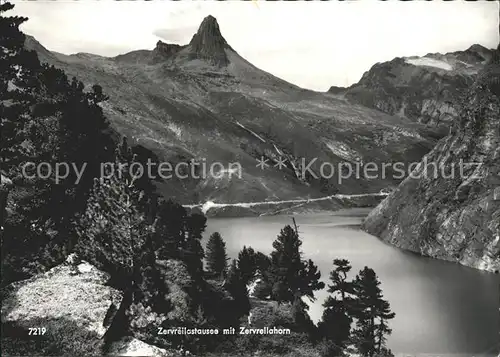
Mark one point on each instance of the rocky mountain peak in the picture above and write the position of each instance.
(208, 33)
(164, 50)
(208, 43)
(480, 50)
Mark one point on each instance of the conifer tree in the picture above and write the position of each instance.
(262, 289)
(216, 255)
(382, 328)
(263, 262)
(169, 236)
(373, 313)
(47, 118)
(150, 287)
(193, 252)
(286, 265)
(309, 280)
(31, 122)
(236, 287)
(290, 276)
(113, 232)
(338, 314)
(255, 267)
(247, 264)
(178, 236)
(11, 51)
(301, 319)
(18, 82)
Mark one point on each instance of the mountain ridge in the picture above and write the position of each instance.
(224, 109)
(425, 89)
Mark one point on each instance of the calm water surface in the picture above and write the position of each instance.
(441, 308)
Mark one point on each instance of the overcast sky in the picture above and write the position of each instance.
(311, 44)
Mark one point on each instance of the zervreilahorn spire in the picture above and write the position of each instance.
(209, 44)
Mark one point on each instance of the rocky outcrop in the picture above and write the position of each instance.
(130, 346)
(209, 44)
(424, 89)
(337, 90)
(5, 186)
(164, 51)
(449, 208)
(68, 308)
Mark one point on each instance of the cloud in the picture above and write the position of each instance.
(180, 36)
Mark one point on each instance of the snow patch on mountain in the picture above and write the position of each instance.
(251, 132)
(429, 62)
(277, 150)
(341, 150)
(175, 129)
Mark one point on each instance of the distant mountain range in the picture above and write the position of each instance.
(423, 89)
(204, 101)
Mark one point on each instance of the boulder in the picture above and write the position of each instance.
(5, 183)
(67, 310)
(130, 346)
(496, 194)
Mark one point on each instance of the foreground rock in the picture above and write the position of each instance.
(453, 218)
(65, 310)
(130, 346)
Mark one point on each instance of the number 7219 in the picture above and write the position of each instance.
(37, 331)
